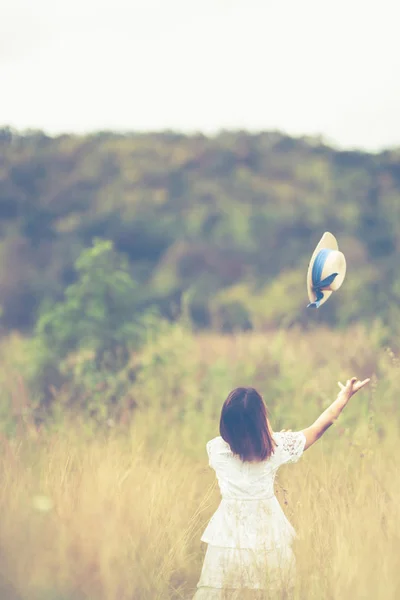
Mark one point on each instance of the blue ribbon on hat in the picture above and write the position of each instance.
(317, 284)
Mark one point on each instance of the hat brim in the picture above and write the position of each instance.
(328, 241)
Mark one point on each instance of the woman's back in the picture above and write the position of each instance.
(244, 480)
(249, 515)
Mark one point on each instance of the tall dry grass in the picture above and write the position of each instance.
(119, 515)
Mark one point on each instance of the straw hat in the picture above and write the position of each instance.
(326, 271)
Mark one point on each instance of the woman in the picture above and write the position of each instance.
(249, 538)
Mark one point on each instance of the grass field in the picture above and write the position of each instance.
(119, 514)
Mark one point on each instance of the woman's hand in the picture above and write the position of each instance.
(352, 386)
(329, 416)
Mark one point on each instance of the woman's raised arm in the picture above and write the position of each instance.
(329, 416)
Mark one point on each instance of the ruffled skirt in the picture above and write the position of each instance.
(253, 524)
(228, 573)
(249, 553)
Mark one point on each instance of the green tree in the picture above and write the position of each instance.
(97, 312)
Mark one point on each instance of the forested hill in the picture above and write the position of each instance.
(232, 220)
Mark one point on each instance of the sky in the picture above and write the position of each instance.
(303, 67)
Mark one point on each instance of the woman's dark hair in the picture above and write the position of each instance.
(244, 425)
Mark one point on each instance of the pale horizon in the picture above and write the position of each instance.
(298, 68)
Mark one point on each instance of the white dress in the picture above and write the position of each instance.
(249, 537)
